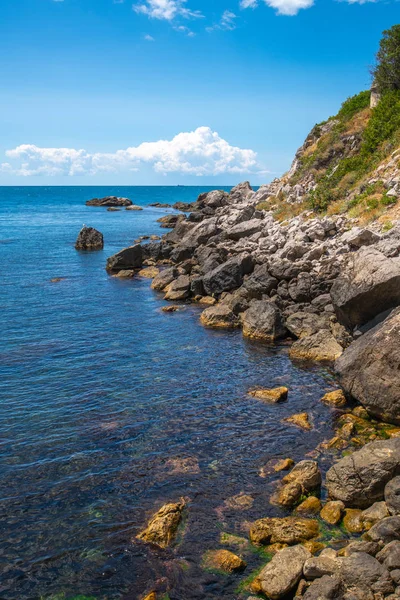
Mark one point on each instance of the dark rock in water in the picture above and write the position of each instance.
(109, 201)
(161, 529)
(369, 286)
(160, 205)
(183, 206)
(359, 480)
(263, 321)
(169, 221)
(89, 239)
(113, 209)
(128, 258)
(229, 275)
(134, 207)
(369, 369)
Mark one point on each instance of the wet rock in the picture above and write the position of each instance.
(307, 474)
(161, 529)
(326, 588)
(353, 520)
(310, 506)
(273, 395)
(171, 309)
(223, 560)
(151, 596)
(288, 530)
(89, 239)
(134, 207)
(392, 496)
(125, 274)
(369, 286)
(179, 289)
(128, 258)
(385, 531)
(332, 512)
(275, 465)
(109, 201)
(300, 420)
(228, 276)
(368, 369)
(112, 209)
(149, 272)
(359, 479)
(164, 278)
(282, 574)
(240, 502)
(263, 321)
(219, 317)
(321, 346)
(336, 399)
(374, 513)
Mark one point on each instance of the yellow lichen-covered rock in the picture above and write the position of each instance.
(310, 506)
(149, 272)
(207, 300)
(287, 530)
(171, 309)
(320, 346)
(151, 596)
(240, 502)
(162, 527)
(300, 420)
(313, 546)
(273, 395)
(223, 560)
(288, 495)
(275, 465)
(332, 512)
(353, 520)
(219, 317)
(336, 398)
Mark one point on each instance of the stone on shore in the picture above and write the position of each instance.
(134, 207)
(162, 528)
(263, 321)
(332, 512)
(369, 369)
(178, 289)
(227, 276)
(359, 479)
(369, 286)
(273, 395)
(164, 278)
(219, 317)
(149, 272)
(336, 399)
(392, 496)
(282, 574)
(321, 346)
(128, 258)
(89, 239)
(327, 588)
(299, 420)
(109, 201)
(125, 274)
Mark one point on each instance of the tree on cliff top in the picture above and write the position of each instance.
(387, 71)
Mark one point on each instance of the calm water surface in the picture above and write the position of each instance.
(103, 395)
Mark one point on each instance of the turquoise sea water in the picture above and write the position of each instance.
(101, 397)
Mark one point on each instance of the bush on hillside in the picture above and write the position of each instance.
(354, 105)
(387, 71)
(384, 122)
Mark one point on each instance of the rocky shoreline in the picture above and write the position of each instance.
(333, 290)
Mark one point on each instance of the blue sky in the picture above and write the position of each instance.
(165, 92)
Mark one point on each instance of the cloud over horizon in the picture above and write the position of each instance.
(200, 152)
(166, 9)
(288, 8)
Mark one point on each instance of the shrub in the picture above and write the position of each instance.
(354, 105)
(387, 71)
(384, 122)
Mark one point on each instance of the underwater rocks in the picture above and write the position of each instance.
(223, 560)
(287, 530)
(369, 369)
(301, 420)
(162, 528)
(89, 239)
(109, 201)
(274, 395)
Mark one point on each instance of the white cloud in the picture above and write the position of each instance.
(227, 22)
(199, 152)
(166, 10)
(286, 7)
(149, 38)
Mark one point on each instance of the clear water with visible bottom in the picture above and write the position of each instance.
(110, 407)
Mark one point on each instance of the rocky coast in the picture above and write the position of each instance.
(330, 288)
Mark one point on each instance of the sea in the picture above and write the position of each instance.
(110, 408)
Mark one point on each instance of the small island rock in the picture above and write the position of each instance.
(89, 239)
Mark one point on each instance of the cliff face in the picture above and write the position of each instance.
(348, 165)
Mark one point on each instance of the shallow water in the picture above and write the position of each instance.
(102, 393)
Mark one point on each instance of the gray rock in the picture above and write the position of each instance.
(361, 570)
(260, 282)
(392, 496)
(201, 233)
(164, 278)
(281, 575)
(360, 478)
(241, 192)
(385, 531)
(245, 229)
(358, 237)
(300, 289)
(179, 289)
(389, 556)
(89, 239)
(326, 588)
(128, 258)
(229, 275)
(369, 369)
(109, 201)
(369, 286)
(375, 513)
(263, 321)
(371, 548)
(318, 566)
(302, 324)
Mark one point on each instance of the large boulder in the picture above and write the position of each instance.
(361, 570)
(369, 369)
(360, 478)
(201, 233)
(302, 324)
(228, 276)
(326, 588)
(245, 229)
(109, 201)
(179, 289)
(282, 574)
(128, 258)
(164, 278)
(286, 530)
(263, 321)
(260, 282)
(320, 346)
(369, 286)
(219, 317)
(162, 527)
(89, 239)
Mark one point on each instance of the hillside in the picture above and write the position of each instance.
(349, 164)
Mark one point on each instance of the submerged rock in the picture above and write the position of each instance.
(288, 530)
(273, 395)
(134, 207)
(89, 238)
(161, 529)
(300, 420)
(223, 560)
